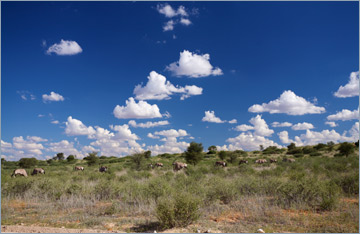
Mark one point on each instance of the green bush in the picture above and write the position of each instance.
(349, 183)
(178, 211)
(298, 155)
(27, 162)
(295, 151)
(223, 155)
(20, 187)
(320, 146)
(308, 192)
(330, 194)
(74, 189)
(315, 154)
(308, 150)
(221, 189)
(346, 148)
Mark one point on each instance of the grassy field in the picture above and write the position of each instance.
(316, 193)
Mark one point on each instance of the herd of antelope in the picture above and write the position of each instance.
(176, 166)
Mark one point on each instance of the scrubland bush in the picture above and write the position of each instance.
(348, 183)
(295, 151)
(178, 211)
(308, 192)
(315, 154)
(308, 150)
(298, 155)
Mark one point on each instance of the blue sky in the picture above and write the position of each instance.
(219, 73)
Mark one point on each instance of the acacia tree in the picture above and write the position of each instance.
(92, 158)
(223, 155)
(147, 154)
(291, 146)
(71, 158)
(193, 154)
(212, 149)
(27, 162)
(138, 159)
(346, 148)
(59, 156)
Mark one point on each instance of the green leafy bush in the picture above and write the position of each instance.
(308, 150)
(178, 211)
(295, 151)
(308, 192)
(315, 154)
(27, 162)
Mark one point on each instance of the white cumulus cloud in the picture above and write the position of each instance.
(314, 137)
(278, 124)
(185, 21)
(148, 124)
(65, 48)
(75, 127)
(302, 126)
(351, 89)
(29, 146)
(170, 12)
(259, 126)
(169, 26)
(65, 147)
(140, 110)
(248, 141)
(53, 97)
(158, 88)
(171, 144)
(210, 117)
(331, 124)
(193, 65)
(243, 128)
(233, 121)
(344, 115)
(288, 103)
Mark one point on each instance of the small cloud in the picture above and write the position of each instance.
(134, 110)
(331, 124)
(55, 122)
(53, 97)
(193, 65)
(26, 95)
(169, 26)
(284, 124)
(344, 115)
(233, 121)
(302, 126)
(40, 115)
(210, 117)
(147, 124)
(167, 115)
(170, 12)
(185, 21)
(43, 44)
(65, 48)
(351, 89)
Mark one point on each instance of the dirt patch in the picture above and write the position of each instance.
(229, 217)
(37, 229)
(351, 200)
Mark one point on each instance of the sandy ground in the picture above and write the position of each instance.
(35, 229)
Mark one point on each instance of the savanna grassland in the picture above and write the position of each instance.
(316, 193)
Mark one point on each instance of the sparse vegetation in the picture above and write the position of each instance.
(313, 189)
